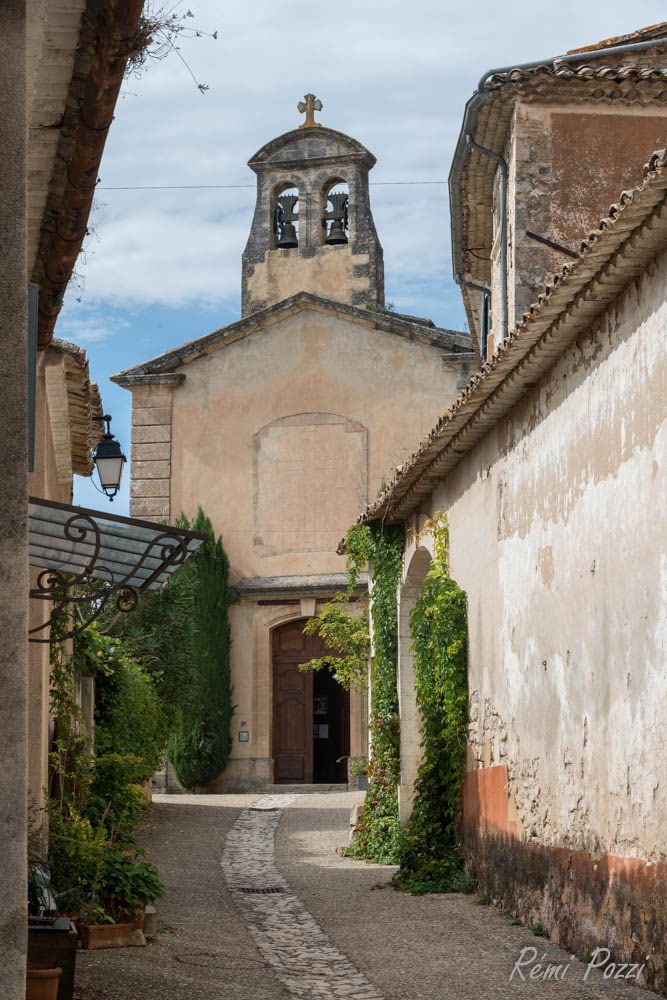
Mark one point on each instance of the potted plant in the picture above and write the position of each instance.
(357, 769)
(116, 907)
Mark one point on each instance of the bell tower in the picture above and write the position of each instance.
(312, 230)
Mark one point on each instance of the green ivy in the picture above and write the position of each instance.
(345, 632)
(430, 854)
(376, 836)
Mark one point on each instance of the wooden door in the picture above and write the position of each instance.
(310, 714)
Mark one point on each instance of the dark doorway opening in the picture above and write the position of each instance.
(311, 713)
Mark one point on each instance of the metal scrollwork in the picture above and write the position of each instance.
(88, 592)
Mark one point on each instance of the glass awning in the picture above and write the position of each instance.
(88, 558)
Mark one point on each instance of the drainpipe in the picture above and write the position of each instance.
(486, 292)
(469, 125)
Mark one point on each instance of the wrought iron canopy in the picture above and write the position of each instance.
(88, 558)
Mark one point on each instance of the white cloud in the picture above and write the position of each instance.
(395, 76)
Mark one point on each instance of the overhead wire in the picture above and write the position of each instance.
(220, 187)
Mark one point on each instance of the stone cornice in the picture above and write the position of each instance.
(132, 381)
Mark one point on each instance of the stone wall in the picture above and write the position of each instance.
(150, 490)
(312, 161)
(566, 166)
(557, 529)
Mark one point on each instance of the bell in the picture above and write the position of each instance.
(287, 237)
(336, 233)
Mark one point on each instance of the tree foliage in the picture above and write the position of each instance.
(200, 743)
(345, 631)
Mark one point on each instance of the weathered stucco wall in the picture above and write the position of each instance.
(282, 436)
(311, 375)
(331, 272)
(13, 500)
(558, 535)
(566, 166)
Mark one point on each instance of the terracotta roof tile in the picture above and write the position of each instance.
(610, 257)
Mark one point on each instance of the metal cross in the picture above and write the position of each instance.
(310, 105)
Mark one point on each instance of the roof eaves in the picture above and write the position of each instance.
(611, 256)
(408, 327)
(504, 85)
(108, 33)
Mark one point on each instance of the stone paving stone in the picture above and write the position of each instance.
(287, 936)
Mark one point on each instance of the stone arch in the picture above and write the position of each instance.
(285, 205)
(417, 562)
(310, 479)
(334, 203)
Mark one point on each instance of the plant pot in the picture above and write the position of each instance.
(137, 921)
(42, 981)
(105, 935)
(53, 946)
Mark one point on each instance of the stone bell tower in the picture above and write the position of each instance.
(312, 230)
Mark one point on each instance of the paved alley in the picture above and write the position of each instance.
(261, 906)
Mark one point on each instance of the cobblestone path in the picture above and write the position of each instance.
(303, 958)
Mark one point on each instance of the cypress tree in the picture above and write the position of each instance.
(201, 742)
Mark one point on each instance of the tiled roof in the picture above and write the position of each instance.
(641, 35)
(597, 74)
(615, 253)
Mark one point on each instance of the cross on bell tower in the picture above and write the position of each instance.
(312, 230)
(309, 105)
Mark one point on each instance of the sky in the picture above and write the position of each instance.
(175, 198)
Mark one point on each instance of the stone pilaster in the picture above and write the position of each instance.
(150, 494)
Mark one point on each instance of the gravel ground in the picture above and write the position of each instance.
(409, 948)
(203, 950)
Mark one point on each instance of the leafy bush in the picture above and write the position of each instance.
(76, 849)
(346, 633)
(127, 883)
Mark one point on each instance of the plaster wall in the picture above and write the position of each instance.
(567, 164)
(558, 535)
(43, 482)
(332, 272)
(14, 582)
(244, 416)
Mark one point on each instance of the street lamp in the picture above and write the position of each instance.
(109, 460)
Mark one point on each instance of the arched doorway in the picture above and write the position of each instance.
(311, 712)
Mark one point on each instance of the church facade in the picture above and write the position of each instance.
(282, 426)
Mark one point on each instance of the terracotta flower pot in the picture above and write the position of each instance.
(105, 935)
(42, 981)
